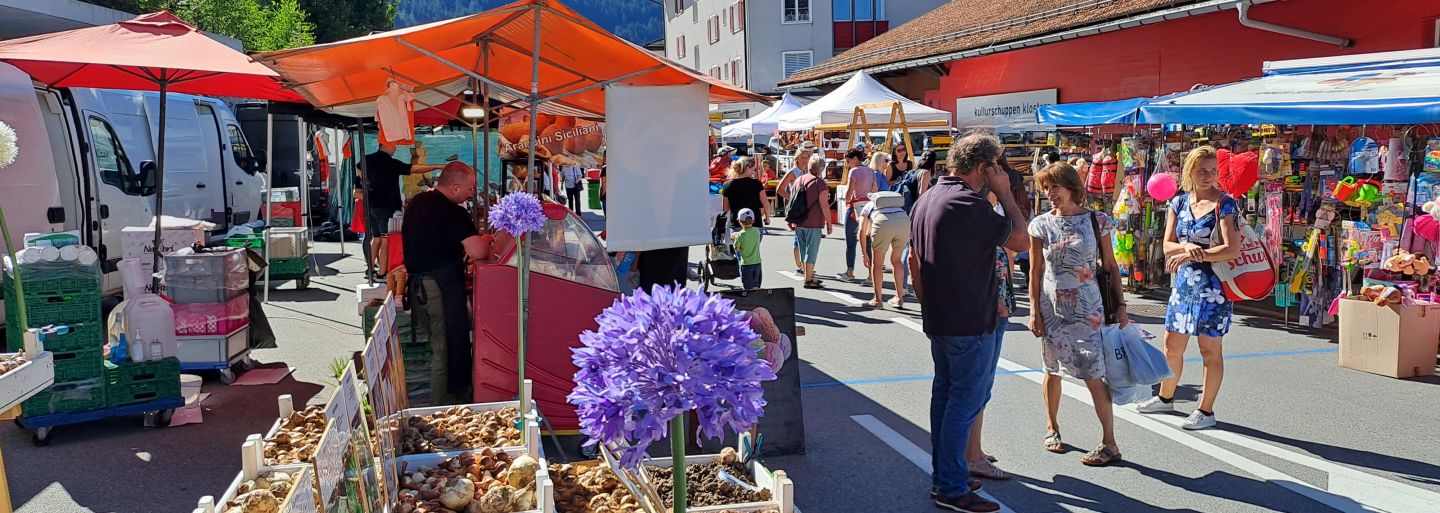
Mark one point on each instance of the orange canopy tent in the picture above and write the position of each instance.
(152, 52)
(537, 48)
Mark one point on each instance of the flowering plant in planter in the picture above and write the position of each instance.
(654, 358)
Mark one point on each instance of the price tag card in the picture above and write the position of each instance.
(302, 498)
(330, 459)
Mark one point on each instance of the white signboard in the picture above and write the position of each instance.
(1009, 112)
(653, 205)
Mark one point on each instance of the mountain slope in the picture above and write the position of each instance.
(637, 21)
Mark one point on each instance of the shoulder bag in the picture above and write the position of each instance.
(1104, 278)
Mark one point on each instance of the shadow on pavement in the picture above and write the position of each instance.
(1409, 469)
(189, 461)
(1227, 486)
(811, 312)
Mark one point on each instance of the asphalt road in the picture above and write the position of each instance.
(1297, 433)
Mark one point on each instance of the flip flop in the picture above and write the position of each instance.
(1053, 443)
(895, 303)
(1100, 457)
(874, 304)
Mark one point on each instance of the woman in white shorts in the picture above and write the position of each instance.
(886, 226)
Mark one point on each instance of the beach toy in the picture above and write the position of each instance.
(1161, 186)
(1345, 189)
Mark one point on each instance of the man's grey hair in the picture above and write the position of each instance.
(972, 150)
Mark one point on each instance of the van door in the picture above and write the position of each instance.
(122, 199)
(75, 197)
(246, 184)
(218, 150)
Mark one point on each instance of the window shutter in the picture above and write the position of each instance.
(795, 61)
(739, 23)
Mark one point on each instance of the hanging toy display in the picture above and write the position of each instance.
(1162, 186)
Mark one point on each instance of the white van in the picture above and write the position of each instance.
(87, 156)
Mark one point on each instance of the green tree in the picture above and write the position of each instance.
(343, 19)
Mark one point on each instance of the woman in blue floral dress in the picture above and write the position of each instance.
(1200, 228)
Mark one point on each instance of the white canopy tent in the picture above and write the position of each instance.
(839, 107)
(765, 123)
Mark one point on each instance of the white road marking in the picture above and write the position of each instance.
(909, 324)
(907, 449)
(845, 297)
(791, 275)
(1349, 490)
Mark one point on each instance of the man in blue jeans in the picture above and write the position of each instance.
(954, 232)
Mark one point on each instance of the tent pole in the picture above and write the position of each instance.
(485, 104)
(364, 199)
(303, 132)
(159, 189)
(532, 174)
(269, 187)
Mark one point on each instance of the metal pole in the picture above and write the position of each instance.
(340, 205)
(531, 175)
(159, 188)
(485, 104)
(302, 132)
(364, 199)
(269, 189)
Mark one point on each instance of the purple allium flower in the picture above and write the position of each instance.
(658, 356)
(518, 213)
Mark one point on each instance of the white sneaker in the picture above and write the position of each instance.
(1198, 420)
(1155, 405)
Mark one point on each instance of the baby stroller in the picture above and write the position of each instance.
(720, 261)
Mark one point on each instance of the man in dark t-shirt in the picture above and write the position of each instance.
(438, 236)
(954, 233)
(382, 172)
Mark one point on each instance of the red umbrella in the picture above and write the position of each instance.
(153, 52)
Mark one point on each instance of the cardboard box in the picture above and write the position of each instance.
(138, 242)
(1397, 341)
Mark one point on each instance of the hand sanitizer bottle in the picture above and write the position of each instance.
(137, 347)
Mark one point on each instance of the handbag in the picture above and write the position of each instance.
(1103, 277)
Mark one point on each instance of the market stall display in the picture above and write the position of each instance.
(211, 298)
(25, 373)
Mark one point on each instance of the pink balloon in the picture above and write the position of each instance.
(1161, 186)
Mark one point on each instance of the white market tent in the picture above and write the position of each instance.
(839, 107)
(765, 123)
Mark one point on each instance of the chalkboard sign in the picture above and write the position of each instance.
(772, 313)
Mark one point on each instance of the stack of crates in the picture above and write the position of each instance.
(138, 382)
(68, 293)
(210, 292)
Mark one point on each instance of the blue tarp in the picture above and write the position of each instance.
(1385, 88)
(1125, 111)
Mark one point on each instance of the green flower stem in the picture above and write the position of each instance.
(677, 459)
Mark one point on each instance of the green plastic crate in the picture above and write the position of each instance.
(289, 266)
(66, 397)
(90, 335)
(79, 365)
(246, 240)
(43, 310)
(42, 281)
(120, 395)
(165, 369)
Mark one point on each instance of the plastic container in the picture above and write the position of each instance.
(193, 319)
(210, 277)
(154, 318)
(190, 387)
(288, 243)
(284, 194)
(67, 397)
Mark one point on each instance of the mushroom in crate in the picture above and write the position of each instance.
(484, 481)
(465, 427)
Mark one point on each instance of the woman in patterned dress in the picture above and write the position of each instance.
(1199, 229)
(1067, 309)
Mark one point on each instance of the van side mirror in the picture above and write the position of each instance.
(143, 184)
(255, 163)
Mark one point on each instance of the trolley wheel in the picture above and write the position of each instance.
(244, 364)
(303, 282)
(41, 437)
(160, 418)
(227, 376)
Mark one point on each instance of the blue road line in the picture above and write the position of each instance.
(901, 379)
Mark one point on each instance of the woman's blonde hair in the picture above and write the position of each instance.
(1060, 173)
(1192, 161)
(737, 168)
(879, 159)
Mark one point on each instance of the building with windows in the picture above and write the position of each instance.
(758, 43)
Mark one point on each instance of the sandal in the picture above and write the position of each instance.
(1053, 443)
(991, 458)
(815, 284)
(874, 304)
(1100, 457)
(896, 303)
(994, 473)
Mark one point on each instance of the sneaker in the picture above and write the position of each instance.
(968, 503)
(1155, 405)
(799, 272)
(975, 486)
(1198, 420)
(847, 275)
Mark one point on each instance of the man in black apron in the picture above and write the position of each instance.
(438, 235)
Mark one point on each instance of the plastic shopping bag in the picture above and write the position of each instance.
(1147, 363)
(1118, 376)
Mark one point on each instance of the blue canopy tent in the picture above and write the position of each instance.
(1127, 111)
(1390, 88)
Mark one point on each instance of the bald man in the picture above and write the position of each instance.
(438, 236)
